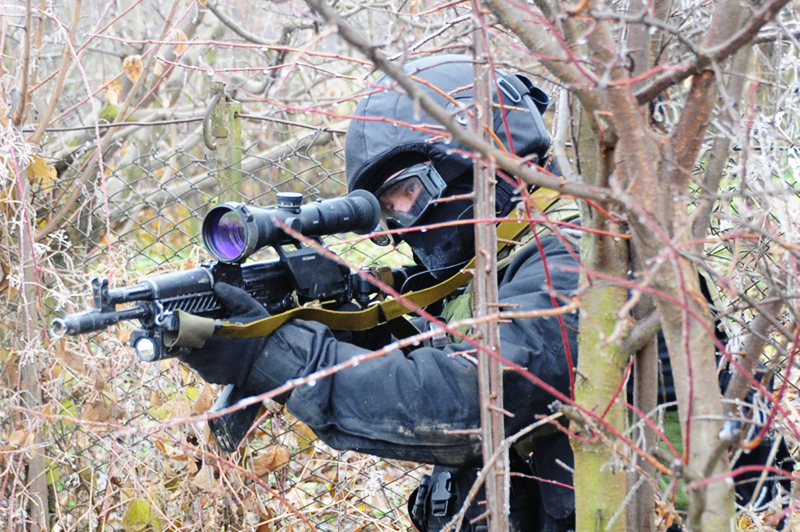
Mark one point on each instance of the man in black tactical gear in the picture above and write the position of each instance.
(423, 405)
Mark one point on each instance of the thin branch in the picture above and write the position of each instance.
(715, 54)
(87, 169)
(22, 88)
(644, 19)
(753, 348)
(718, 157)
(127, 124)
(233, 25)
(641, 334)
(63, 69)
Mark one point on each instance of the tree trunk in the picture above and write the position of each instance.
(600, 478)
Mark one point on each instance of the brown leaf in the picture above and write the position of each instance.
(97, 411)
(186, 375)
(123, 334)
(21, 438)
(271, 459)
(254, 503)
(113, 92)
(155, 399)
(180, 37)
(172, 452)
(305, 437)
(177, 409)
(69, 358)
(204, 400)
(132, 65)
(99, 381)
(158, 67)
(204, 479)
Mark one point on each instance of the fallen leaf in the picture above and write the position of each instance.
(138, 516)
(97, 411)
(155, 398)
(113, 92)
(204, 479)
(305, 437)
(171, 452)
(205, 400)
(124, 334)
(272, 458)
(254, 503)
(177, 409)
(132, 65)
(187, 375)
(69, 358)
(21, 438)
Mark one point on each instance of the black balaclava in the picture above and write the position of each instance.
(376, 149)
(445, 249)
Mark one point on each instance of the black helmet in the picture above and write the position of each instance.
(379, 141)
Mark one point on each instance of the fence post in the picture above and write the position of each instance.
(226, 141)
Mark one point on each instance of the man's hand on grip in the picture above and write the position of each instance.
(224, 360)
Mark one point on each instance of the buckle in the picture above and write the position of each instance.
(442, 495)
(418, 510)
(438, 341)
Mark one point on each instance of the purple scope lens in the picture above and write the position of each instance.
(227, 235)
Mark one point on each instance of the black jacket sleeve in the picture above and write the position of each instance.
(403, 407)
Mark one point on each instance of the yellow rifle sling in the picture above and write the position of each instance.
(390, 309)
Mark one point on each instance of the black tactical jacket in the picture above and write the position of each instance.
(403, 407)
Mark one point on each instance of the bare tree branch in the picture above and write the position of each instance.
(718, 157)
(63, 70)
(87, 170)
(24, 78)
(715, 54)
(739, 385)
(532, 29)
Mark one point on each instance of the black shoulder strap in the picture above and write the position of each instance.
(515, 87)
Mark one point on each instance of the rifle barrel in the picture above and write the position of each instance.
(92, 320)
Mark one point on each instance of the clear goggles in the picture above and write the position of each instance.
(406, 196)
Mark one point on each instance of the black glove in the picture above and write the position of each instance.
(224, 360)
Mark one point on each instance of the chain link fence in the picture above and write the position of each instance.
(117, 444)
(131, 460)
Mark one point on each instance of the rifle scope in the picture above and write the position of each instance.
(234, 231)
